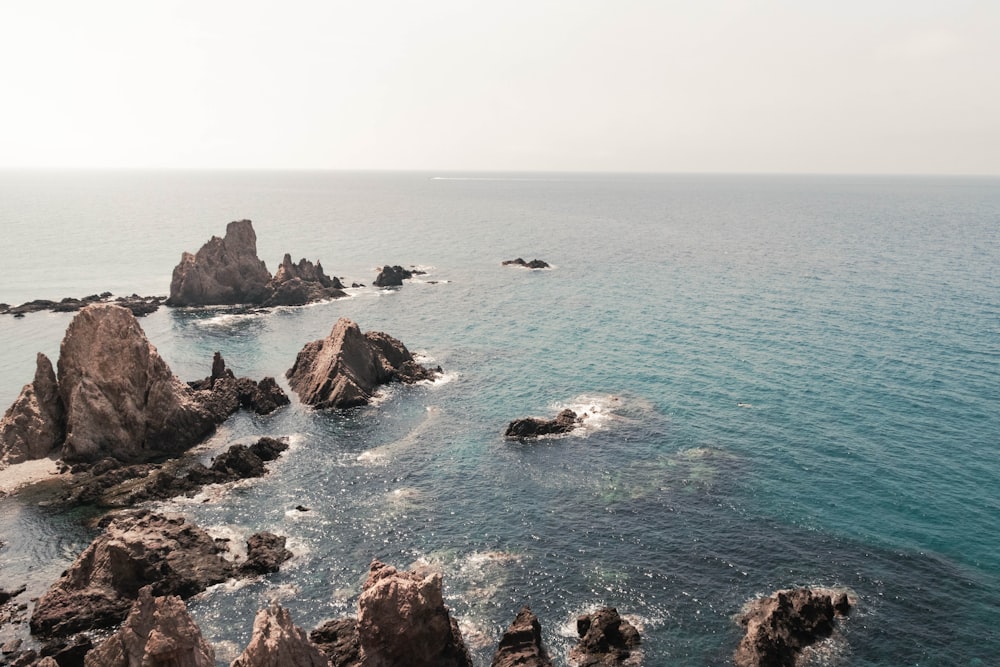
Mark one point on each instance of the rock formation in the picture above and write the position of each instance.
(33, 425)
(345, 368)
(158, 631)
(393, 276)
(139, 305)
(402, 620)
(302, 283)
(532, 427)
(778, 627)
(521, 645)
(229, 393)
(533, 264)
(224, 271)
(606, 639)
(277, 642)
(338, 640)
(137, 549)
(265, 554)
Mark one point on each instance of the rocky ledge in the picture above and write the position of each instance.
(139, 305)
(533, 427)
(344, 369)
(533, 264)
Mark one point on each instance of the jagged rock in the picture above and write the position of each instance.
(345, 368)
(521, 645)
(606, 639)
(778, 627)
(34, 425)
(402, 620)
(532, 427)
(158, 631)
(68, 652)
(302, 283)
(265, 554)
(393, 276)
(277, 642)
(338, 640)
(166, 552)
(533, 264)
(139, 305)
(222, 393)
(224, 271)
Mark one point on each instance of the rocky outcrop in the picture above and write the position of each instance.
(393, 276)
(302, 283)
(533, 264)
(778, 627)
(224, 271)
(229, 393)
(139, 305)
(402, 620)
(532, 427)
(521, 645)
(338, 640)
(277, 642)
(139, 549)
(344, 369)
(606, 639)
(157, 631)
(34, 425)
(265, 554)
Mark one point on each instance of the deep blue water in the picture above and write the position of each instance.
(797, 381)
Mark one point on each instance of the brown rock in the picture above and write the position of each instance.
(345, 368)
(276, 642)
(265, 554)
(606, 639)
(521, 645)
(224, 271)
(532, 427)
(302, 283)
(338, 640)
(393, 276)
(33, 426)
(158, 631)
(402, 620)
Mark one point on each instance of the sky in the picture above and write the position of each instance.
(716, 86)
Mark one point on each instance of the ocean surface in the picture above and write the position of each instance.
(791, 381)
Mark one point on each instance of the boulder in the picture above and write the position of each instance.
(34, 425)
(533, 264)
(393, 276)
(277, 642)
(139, 549)
(224, 271)
(344, 369)
(157, 631)
(302, 283)
(402, 620)
(338, 640)
(779, 626)
(606, 639)
(532, 427)
(222, 393)
(265, 554)
(521, 645)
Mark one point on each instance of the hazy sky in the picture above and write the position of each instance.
(863, 86)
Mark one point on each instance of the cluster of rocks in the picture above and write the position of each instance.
(533, 264)
(139, 305)
(393, 276)
(533, 427)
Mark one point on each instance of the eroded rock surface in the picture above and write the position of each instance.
(402, 620)
(302, 283)
(344, 369)
(33, 425)
(158, 631)
(277, 642)
(338, 640)
(606, 639)
(532, 427)
(521, 645)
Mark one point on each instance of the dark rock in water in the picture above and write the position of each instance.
(302, 283)
(338, 640)
(34, 424)
(302, 508)
(140, 549)
(6, 596)
(533, 264)
(265, 554)
(532, 427)
(157, 631)
(69, 652)
(393, 276)
(606, 639)
(276, 641)
(224, 393)
(402, 620)
(345, 368)
(139, 305)
(778, 627)
(521, 645)
(224, 271)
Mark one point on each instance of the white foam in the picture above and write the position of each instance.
(595, 413)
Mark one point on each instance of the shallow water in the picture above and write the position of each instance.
(794, 382)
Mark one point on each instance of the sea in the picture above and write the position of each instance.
(788, 381)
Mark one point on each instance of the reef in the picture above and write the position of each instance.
(533, 264)
(533, 427)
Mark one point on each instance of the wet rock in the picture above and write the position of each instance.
(521, 645)
(265, 554)
(276, 641)
(34, 425)
(533, 264)
(778, 627)
(135, 550)
(393, 276)
(157, 631)
(302, 283)
(532, 427)
(606, 639)
(70, 652)
(224, 271)
(338, 640)
(402, 620)
(344, 369)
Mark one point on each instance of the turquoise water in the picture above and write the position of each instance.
(795, 378)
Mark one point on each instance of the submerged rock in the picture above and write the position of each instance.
(344, 369)
(277, 642)
(532, 427)
(521, 645)
(779, 626)
(157, 631)
(402, 620)
(533, 264)
(606, 639)
(34, 425)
